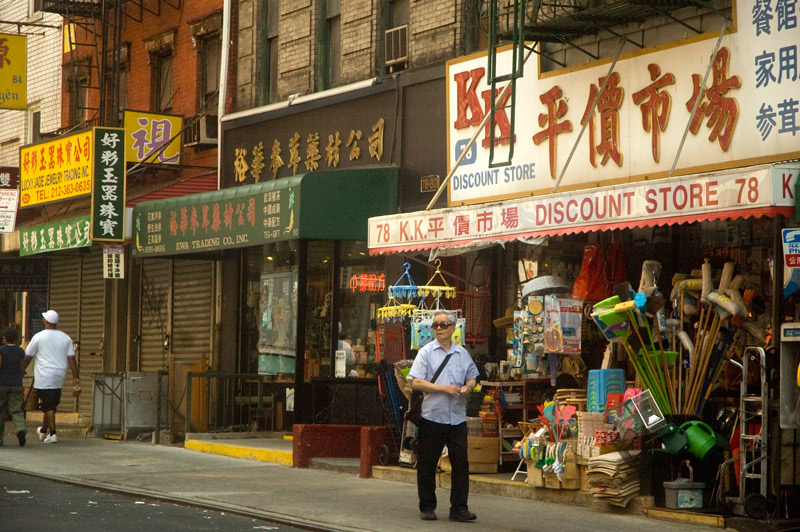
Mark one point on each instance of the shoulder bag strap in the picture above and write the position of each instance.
(441, 367)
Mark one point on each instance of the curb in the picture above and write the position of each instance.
(238, 451)
(686, 517)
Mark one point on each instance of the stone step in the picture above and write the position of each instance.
(343, 465)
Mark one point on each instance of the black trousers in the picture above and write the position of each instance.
(432, 439)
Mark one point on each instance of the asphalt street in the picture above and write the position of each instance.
(30, 503)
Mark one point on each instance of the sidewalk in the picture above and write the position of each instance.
(313, 498)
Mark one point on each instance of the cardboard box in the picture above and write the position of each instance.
(483, 450)
(535, 475)
(551, 481)
(483, 455)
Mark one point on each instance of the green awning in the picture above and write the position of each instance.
(324, 204)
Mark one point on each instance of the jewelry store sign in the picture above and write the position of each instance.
(55, 236)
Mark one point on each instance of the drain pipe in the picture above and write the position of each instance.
(223, 81)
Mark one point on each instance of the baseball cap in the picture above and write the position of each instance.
(51, 316)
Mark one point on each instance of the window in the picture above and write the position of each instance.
(162, 83)
(116, 84)
(331, 57)
(266, 90)
(34, 125)
(272, 51)
(34, 8)
(77, 81)
(161, 49)
(209, 80)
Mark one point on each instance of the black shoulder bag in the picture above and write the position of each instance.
(415, 405)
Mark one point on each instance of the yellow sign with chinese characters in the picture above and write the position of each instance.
(56, 170)
(152, 138)
(13, 71)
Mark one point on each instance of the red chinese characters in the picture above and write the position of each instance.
(655, 104)
(556, 109)
(608, 105)
(722, 111)
(509, 217)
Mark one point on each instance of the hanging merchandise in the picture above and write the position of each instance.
(616, 266)
(394, 310)
(422, 318)
(562, 328)
(422, 327)
(404, 291)
(591, 282)
(437, 291)
(528, 343)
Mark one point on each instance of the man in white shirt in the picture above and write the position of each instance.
(444, 417)
(53, 351)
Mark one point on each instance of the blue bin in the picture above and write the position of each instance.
(601, 383)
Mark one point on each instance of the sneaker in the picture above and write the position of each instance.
(52, 438)
(427, 515)
(21, 438)
(42, 434)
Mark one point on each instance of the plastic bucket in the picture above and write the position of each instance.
(700, 436)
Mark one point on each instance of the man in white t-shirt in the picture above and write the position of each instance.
(53, 351)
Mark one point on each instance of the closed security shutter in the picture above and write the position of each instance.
(153, 314)
(92, 327)
(64, 297)
(192, 309)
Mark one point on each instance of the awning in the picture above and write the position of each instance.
(766, 190)
(324, 204)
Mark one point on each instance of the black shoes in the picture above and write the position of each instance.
(21, 438)
(427, 515)
(463, 516)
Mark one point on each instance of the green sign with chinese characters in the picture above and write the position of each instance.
(55, 236)
(333, 204)
(108, 185)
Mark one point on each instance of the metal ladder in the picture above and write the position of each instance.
(753, 448)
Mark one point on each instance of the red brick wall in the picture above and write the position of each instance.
(186, 67)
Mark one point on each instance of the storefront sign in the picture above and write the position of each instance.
(748, 113)
(147, 133)
(290, 142)
(56, 170)
(23, 276)
(113, 262)
(55, 236)
(108, 188)
(13, 71)
(368, 282)
(9, 177)
(734, 193)
(8, 209)
(218, 223)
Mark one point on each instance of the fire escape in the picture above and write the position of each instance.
(541, 26)
(96, 52)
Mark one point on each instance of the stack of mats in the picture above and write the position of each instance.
(613, 479)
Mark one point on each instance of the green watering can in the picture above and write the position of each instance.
(701, 438)
(674, 439)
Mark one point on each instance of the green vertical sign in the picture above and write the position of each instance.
(108, 185)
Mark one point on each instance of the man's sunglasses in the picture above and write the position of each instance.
(441, 324)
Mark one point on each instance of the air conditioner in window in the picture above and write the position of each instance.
(397, 45)
(202, 133)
